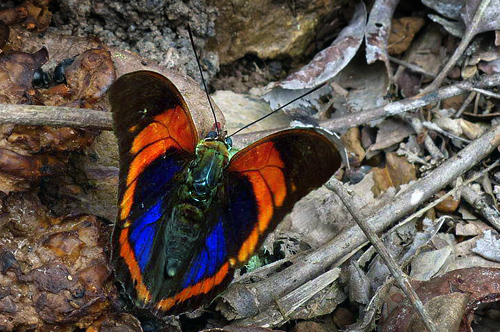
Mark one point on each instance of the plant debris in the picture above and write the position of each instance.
(417, 106)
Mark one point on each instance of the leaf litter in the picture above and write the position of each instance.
(56, 182)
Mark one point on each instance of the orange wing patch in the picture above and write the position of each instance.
(128, 256)
(263, 167)
(170, 129)
(202, 287)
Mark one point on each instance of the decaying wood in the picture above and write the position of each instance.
(247, 300)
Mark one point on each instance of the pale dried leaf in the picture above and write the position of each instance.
(488, 246)
(391, 131)
(456, 29)
(427, 264)
(331, 60)
(490, 20)
(471, 228)
(378, 29)
(448, 8)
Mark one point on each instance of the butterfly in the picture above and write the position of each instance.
(189, 214)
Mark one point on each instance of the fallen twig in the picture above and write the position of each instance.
(414, 68)
(370, 251)
(56, 116)
(436, 128)
(486, 93)
(466, 103)
(429, 144)
(87, 118)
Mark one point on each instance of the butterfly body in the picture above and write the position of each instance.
(188, 213)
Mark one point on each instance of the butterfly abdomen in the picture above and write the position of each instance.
(195, 197)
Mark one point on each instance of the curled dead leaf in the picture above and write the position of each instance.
(327, 63)
(483, 285)
(403, 30)
(90, 76)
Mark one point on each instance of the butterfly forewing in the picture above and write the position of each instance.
(266, 179)
(157, 139)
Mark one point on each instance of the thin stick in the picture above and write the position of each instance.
(87, 118)
(402, 280)
(56, 116)
(482, 206)
(466, 103)
(435, 127)
(469, 34)
(486, 93)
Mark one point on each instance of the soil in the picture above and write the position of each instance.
(156, 29)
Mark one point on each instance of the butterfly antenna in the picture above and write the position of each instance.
(202, 78)
(278, 109)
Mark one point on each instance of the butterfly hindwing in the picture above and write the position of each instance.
(208, 273)
(157, 139)
(266, 179)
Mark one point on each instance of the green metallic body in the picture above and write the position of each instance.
(203, 181)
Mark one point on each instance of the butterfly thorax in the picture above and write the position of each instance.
(205, 171)
(203, 180)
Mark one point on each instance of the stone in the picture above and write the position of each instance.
(267, 28)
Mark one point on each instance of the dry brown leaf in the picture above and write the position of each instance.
(426, 51)
(90, 76)
(397, 171)
(326, 64)
(352, 142)
(11, 16)
(16, 73)
(403, 30)
(483, 285)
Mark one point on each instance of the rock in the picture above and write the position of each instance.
(241, 109)
(267, 28)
